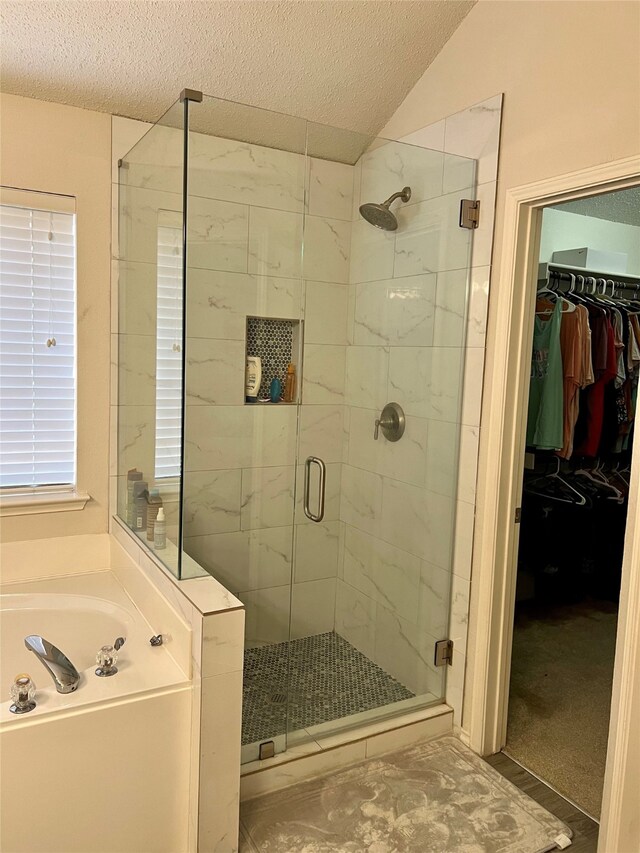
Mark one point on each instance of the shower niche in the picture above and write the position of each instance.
(277, 343)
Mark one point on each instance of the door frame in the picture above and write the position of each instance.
(500, 473)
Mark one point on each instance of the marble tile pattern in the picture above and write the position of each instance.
(417, 309)
(426, 799)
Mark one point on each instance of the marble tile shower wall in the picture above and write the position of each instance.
(473, 133)
(406, 332)
(404, 572)
(246, 259)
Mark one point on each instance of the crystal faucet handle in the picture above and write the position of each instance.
(23, 692)
(107, 658)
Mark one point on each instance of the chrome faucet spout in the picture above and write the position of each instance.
(65, 675)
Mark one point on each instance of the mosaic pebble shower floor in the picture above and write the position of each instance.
(311, 680)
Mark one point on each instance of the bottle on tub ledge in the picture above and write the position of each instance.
(160, 531)
(253, 378)
(153, 505)
(133, 476)
(140, 493)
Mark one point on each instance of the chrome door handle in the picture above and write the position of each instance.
(307, 485)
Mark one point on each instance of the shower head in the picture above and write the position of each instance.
(380, 215)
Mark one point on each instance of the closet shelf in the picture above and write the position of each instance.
(543, 272)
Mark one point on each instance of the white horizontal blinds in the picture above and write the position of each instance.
(169, 348)
(37, 347)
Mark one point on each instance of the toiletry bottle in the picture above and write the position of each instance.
(153, 505)
(253, 378)
(160, 531)
(275, 390)
(132, 476)
(290, 384)
(140, 506)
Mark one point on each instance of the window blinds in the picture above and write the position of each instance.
(37, 347)
(169, 352)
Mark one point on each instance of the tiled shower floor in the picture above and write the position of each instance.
(323, 678)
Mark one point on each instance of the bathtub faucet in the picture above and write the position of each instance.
(65, 675)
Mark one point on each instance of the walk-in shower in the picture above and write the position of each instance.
(242, 235)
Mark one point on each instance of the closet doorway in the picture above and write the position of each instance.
(581, 418)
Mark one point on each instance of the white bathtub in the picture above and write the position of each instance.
(79, 625)
(108, 761)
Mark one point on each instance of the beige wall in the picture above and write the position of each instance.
(570, 73)
(58, 149)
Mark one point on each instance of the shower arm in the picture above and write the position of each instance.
(404, 194)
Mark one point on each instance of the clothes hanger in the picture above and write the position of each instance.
(565, 493)
(602, 483)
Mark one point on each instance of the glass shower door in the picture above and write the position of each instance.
(245, 205)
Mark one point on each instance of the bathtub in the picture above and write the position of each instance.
(103, 769)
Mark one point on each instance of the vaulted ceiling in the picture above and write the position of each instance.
(343, 63)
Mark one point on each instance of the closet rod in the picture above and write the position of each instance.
(620, 285)
(622, 279)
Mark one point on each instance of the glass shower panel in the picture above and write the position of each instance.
(150, 289)
(385, 318)
(245, 207)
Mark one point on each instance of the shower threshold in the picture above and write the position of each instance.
(313, 686)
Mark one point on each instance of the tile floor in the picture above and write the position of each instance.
(305, 682)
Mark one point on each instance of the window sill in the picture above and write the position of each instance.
(37, 503)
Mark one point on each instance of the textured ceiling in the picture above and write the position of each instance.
(622, 206)
(343, 63)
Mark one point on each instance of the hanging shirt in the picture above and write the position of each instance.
(571, 332)
(605, 367)
(577, 369)
(545, 415)
(618, 324)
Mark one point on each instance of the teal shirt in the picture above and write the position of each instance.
(546, 399)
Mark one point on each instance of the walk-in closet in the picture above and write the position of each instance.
(583, 392)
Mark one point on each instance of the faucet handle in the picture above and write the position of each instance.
(106, 659)
(23, 691)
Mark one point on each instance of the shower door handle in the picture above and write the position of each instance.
(307, 485)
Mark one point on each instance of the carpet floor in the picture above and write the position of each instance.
(560, 696)
(430, 798)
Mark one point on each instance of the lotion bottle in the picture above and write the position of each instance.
(253, 378)
(160, 531)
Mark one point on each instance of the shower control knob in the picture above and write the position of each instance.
(391, 422)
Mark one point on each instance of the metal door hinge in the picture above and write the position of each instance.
(267, 749)
(469, 213)
(443, 653)
(518, 514)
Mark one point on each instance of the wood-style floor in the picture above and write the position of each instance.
(585, 830)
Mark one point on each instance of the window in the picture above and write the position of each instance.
(169, 347)
(37, 341)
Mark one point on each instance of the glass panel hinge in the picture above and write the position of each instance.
(443, 653)
(469, 213)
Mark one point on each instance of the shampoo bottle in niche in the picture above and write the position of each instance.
(160, 531)
(253, 378)
(290, 384)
